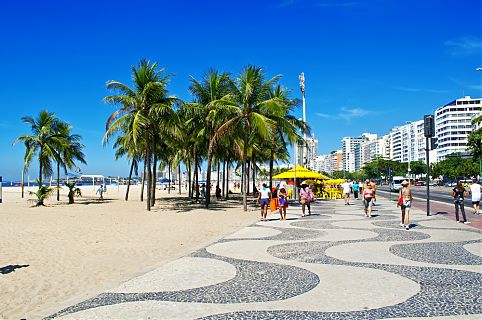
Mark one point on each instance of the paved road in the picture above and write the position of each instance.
(442, 194)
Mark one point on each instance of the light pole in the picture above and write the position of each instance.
(302, 88)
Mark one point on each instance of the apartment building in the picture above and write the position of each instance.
(352, 151)
(453, 124)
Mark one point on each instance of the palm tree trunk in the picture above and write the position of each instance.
(208, 182)
(242, 177)
(196, 174)
(248, 169)
(40, 173)
(143, 181)
(169, 177)
(271, 160)
(219, 173)
(179, 176)
(227, 179)
(189, 182)
(245, 181)
(149, 176)
(58, 181)
(224, 178)
(254, 172)
(129, 180)
(154, 178)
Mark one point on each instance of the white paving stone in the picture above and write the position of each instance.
(474, 248)
(181, 274)
(253, 233)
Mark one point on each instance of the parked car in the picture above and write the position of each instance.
(419, 183)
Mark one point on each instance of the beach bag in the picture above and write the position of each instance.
(400, 201)
(273, 204)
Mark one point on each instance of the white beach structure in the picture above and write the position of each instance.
(92, 178)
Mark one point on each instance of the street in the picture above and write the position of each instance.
(442, 194)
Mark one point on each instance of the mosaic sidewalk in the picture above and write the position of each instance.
(334, 264)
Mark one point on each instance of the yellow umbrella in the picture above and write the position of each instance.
(301, 173)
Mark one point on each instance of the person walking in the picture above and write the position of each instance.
(458, 193)
(264, 197)
(347, 187)
(355, 190)
(374, 188)
(282, 203)
(368, 197)
(476, 195)
(306, 197)
(406, 204)
(100, 191)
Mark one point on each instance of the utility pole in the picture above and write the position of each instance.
(429, 132)
(302, 87)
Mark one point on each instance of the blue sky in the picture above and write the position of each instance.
(369, 64)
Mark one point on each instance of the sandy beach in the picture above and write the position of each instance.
(60, 254)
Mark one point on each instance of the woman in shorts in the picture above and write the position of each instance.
(368, 198)
(406, 204)
(282, 203)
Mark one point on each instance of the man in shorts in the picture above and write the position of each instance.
(264, 198)
(347, 187)
(476, 194)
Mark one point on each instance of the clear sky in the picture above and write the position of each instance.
(369, 64)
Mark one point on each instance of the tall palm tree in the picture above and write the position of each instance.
(248, 102)
(146, 104)
(208, 92)
(42, 143)
(68, 150)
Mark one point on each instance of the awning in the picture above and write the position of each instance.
(301, 173)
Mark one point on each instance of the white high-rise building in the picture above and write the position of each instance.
(453, 125)
(352, 151)
(406, 141)
(374, 148)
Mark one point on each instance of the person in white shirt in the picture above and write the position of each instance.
(347, 187)
(475, 192)
(264, 199)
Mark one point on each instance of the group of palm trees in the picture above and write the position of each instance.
(52, 142)
(232, 120)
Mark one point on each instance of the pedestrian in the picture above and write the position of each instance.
(475, 192)
(368, 197)
(264, 197)
(347, 187)
(282, 203)
(203, 191)
(374, 188)
(100, 191)
(355, 190)
(218, 192)
(405, 201)
(306, 196)
(458, 193)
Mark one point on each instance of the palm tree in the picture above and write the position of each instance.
(248, 104)
(69, 149)
(42, 143)
(145, 106)
(208, 92)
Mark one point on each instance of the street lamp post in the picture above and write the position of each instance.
(302, 88)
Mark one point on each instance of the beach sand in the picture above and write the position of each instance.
(62, 254)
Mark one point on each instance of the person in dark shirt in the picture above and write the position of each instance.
(459, 193)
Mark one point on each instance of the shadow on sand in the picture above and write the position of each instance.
(11, 268)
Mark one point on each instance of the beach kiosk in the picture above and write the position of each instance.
(300, 173)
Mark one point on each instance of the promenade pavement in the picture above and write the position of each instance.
(334, 264)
